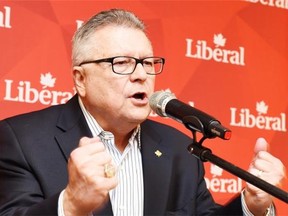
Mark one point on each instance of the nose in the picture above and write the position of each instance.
(139, 73)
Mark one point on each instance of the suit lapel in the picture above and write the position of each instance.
(72, 122)
(156, 159)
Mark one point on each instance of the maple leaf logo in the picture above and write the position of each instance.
(261, 107)
(47, 80)
(215, 170)
(219, 40)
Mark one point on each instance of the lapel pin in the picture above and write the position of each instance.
(158, 153)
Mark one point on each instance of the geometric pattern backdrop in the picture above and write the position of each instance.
(227, 58)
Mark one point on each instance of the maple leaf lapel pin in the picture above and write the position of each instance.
(158, 153)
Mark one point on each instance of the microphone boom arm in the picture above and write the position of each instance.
(205, 154)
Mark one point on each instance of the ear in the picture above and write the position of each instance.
(79, 80)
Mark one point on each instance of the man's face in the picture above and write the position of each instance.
(114, 99)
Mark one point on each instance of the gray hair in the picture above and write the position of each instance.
(118, 17)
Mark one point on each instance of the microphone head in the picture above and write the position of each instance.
(159, 100)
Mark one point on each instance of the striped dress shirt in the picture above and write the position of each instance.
(127, 198)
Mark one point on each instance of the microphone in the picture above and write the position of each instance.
(166, 104)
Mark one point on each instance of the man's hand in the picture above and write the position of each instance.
(268, 168)
(88, 187)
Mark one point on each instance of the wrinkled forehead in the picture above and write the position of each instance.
(121, 40)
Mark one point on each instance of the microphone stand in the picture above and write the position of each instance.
(205, 154)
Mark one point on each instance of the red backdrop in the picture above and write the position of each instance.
(228, 58)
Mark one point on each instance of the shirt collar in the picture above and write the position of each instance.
(97, 130)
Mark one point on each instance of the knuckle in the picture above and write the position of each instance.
(83, 141)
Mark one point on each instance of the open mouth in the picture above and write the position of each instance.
(139, 96)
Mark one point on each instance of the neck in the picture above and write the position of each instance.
(121, 140)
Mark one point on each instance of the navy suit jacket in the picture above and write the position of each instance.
(35, 147)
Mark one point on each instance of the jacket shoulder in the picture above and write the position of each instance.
(163, 129)
(48, 114)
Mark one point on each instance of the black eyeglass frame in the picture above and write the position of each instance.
(141, 61)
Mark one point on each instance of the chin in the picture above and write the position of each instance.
(139, 114)
(137, 118)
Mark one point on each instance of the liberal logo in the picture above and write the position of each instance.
(5, 17)
(47, 80)
(222, 185)
(201, 50)
(24, 92)
(272, 3)
(244, 118)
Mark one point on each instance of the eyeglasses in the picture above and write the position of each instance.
(126, 65)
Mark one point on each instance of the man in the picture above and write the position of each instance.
(104, 127)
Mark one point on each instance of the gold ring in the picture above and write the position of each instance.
(109, 170)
